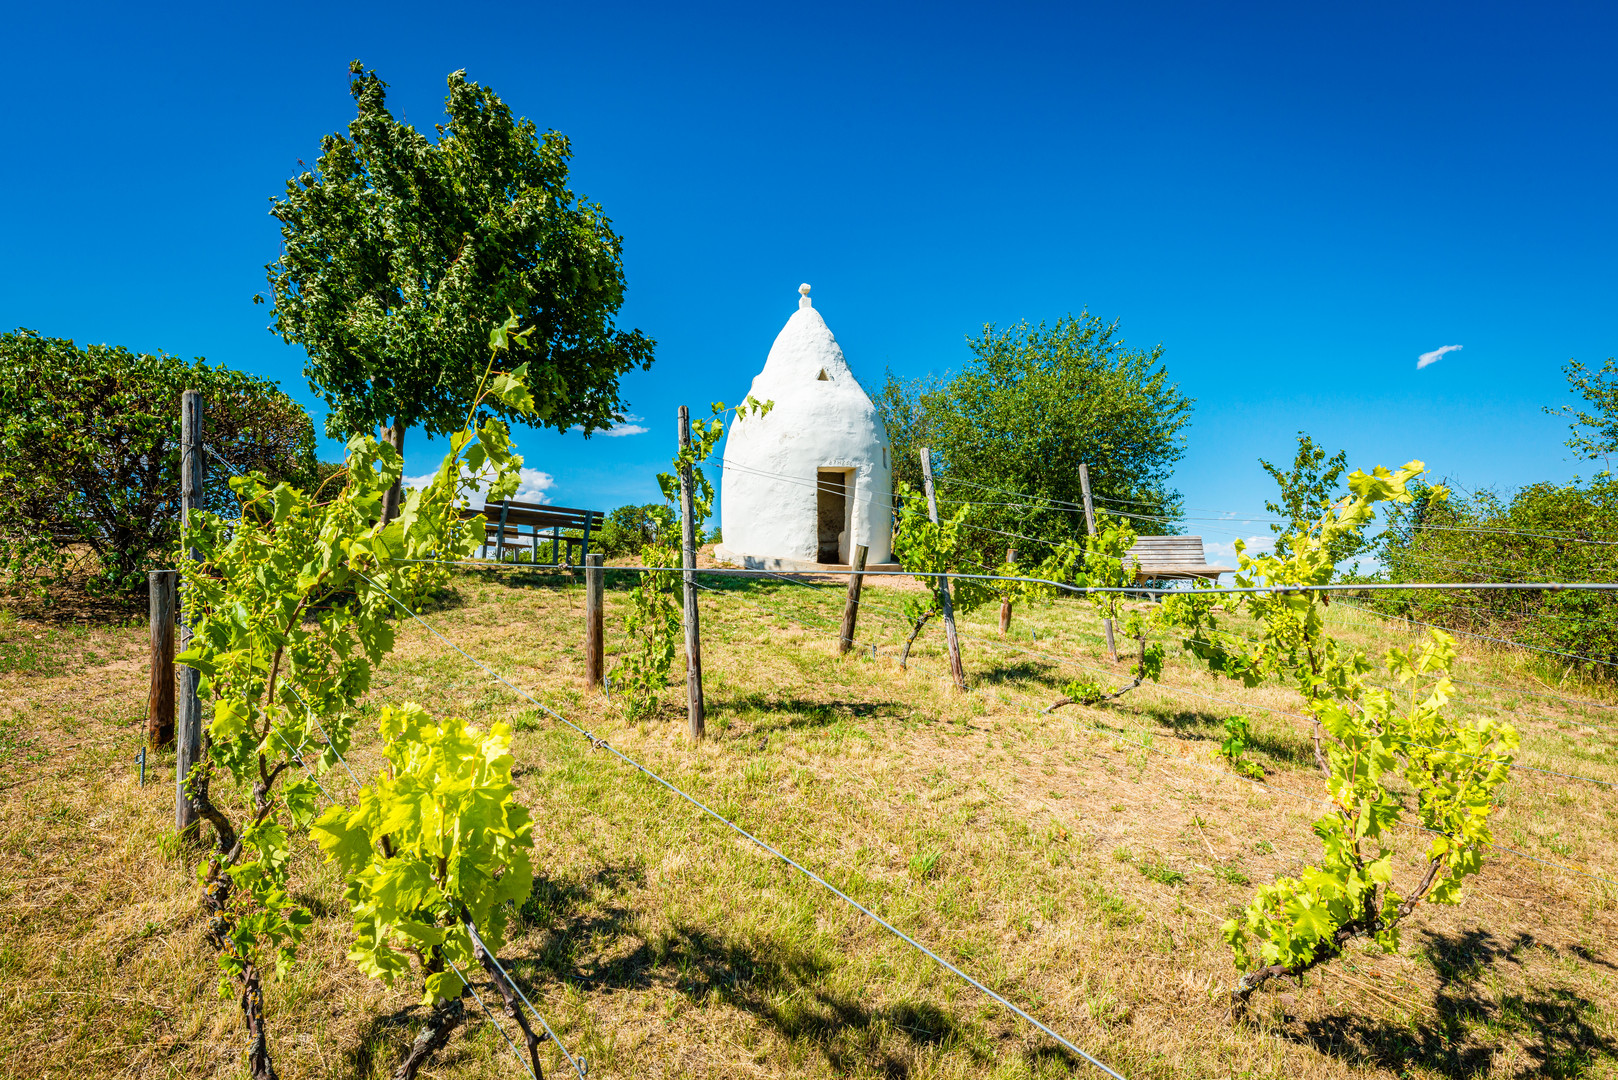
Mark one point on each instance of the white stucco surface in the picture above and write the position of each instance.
(821, 420)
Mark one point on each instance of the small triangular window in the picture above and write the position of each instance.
(822, 377)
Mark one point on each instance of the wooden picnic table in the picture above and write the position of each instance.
(515, 526)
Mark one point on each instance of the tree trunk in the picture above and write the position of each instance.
(904, 657)
(258, 1049)
(513, 1010)
(393, 435)
(441, 1022)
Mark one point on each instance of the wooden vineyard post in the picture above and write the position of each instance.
(188, 713)
(1090, 524)
(1005, 605)
(595, 581)
(688, 559)
(851, 608)
(160, 700)
(956, 670)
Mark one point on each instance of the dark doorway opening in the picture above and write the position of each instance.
(831, 503)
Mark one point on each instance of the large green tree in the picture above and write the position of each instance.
(400, 251)
(1313, 483)
(1030, 406)
(90, 455)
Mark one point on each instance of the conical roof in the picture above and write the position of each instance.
(805, 348)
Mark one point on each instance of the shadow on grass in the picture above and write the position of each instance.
(754, 714)
(1020, 672)
(1293, 750)
(596, 943)
(1555, 1027)
(512, 580)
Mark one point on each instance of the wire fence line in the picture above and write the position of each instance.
(1147, 591)
(1267, 518)
(1352, 602)
(1509, 850)
(1172, 688)
(1468, 703)
(1087, 590)
(600, 743)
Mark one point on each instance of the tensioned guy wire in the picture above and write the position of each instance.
(1087, 590)
(602, 744)
(577, 1064)
(529, 1069)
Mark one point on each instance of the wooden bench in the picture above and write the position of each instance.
(1171, 557)
(514, 526)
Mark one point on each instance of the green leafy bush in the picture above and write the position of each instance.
(1025, 410)
(90, 455)
(1545, 532)
(629, 529)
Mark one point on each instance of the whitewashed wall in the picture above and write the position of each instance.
(768, 505)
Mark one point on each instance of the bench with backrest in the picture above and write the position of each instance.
(518, 526)
(1171, 557)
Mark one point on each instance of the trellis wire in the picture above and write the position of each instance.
(529, 1069)
(577, 1065)
(1469, 704)
(1087, 590)
(602, 744)
(1265, 519)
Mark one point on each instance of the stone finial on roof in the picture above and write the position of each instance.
(803, 302)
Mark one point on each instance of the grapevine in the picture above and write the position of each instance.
(929, 549)
(290, 614)
(1362, 737)
(437, 849)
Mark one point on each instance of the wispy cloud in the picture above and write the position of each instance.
(534, 484)
(1432, 357)
(628, 427)
(1223, 552)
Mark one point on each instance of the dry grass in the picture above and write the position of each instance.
(1079, 862)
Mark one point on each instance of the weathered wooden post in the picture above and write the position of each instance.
(1090, 524)
(688, 559)
(188, 718)
(956, 670)
(160, 699)
(851, 607)
(1005, 605)
(595, 582)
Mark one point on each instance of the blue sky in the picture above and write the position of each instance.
(1296, 202)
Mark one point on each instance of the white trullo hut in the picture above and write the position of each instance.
(810, 480)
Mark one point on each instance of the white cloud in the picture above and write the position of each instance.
(1432, 357)
(628, 427)
(534, 484)
(1223, 552)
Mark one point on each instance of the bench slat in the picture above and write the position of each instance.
(1171, 556)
